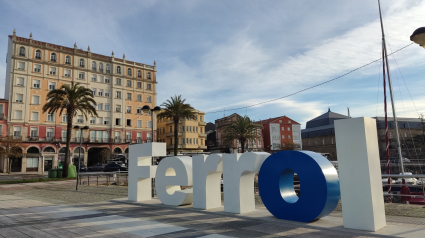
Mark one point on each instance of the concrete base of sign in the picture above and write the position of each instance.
(360, 174)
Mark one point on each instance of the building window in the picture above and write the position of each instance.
(53, 70)
(289, 121)
(283, 128)
(18, 115)
(37, 68)
(139, 73)
(129, 96)
(100, 93)
(100, 120)
(52, 85)
(106, 121)
(35, 100)
(118, 81)
(128, 83)
(21, 65)
(139, 97)
(92, 120)
(128, 109)
(107, 108)
(118, 108)
(118, 94)
(289, 136)
(53, 57)
(149, 75)
(19, 97)
(22, 51)
(81, 75)
(107, 80)
(289, 128)
(139, 111)
(64, 118)
(34, 116)
(93, 78)
(149, 98)
(93, 91)
(100, 106)
(49, 134)
(118, 70)
(149, 86)
(108, 69)
(80, 119)
(139, 123)
(118, 122)
(332, 141)
(101, 67)
(38, 54)
(50, 117)
(20, 81)
(128, 122)
(67, 59)
(149, 124)
(93, 66)
(129, 72)
(81, 62)
(67, 73)
(139, 84)
(107, 93)
(100, 79)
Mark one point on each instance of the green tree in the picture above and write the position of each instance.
(9, 148)
(70, 99)
(175, 110)
(242, 129)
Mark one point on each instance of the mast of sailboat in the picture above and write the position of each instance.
(385, 60)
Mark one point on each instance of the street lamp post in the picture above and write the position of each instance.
(81, 129)
(147, 109)
(418, 36)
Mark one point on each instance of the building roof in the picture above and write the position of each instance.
(327, 118)
(266, 121)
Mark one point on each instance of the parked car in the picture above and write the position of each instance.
(83, 168)
(96, 167)
(113, 166)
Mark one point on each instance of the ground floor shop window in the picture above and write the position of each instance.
(32, 164)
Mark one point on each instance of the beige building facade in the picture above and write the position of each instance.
(191, 134)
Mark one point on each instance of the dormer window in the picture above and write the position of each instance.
(81, 62)
(22, 51)
(53, 57)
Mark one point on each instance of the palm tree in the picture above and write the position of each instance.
(71, 98)
(242, 129)
(175, 110)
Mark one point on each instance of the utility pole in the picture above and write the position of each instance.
(423, 129)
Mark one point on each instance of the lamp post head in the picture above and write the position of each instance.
(156, 109)
(76, 128)
(418, 36)
(146, 109)
(85, 128)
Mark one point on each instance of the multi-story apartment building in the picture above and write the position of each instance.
(278, 132)
(120, 87)
(191, 134)
(235, 146)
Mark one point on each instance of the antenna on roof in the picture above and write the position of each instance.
(348, 109)
(329, 109)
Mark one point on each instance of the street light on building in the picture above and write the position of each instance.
(147, 109)
(81, 129)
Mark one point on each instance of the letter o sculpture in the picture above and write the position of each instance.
(319, 185)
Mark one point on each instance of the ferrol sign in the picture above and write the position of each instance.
(319, 180)
(275, 181)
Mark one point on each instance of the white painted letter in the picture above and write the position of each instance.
(238, 180)
(207, 181)
(172, 173)
(140, 170)
(360, 174)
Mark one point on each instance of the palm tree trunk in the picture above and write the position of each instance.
(176, 137)
(243, 145)
(68, 142)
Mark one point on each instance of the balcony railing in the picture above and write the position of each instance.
(202, 123)
(101, 70)
(17, 137)
(127, 140)
(38, 57)
(21, 54)
(49, 138)
(108, 71)
(93, 69)
(202, 135)
(33, 138)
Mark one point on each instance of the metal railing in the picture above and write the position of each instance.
(115, 176)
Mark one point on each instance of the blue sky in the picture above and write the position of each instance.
(227, 54)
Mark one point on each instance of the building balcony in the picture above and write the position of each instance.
(172, 146)
(202, 135)
(202, 123)
(172, 134)
(202, 147)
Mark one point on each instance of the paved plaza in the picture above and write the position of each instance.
(26, 213)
